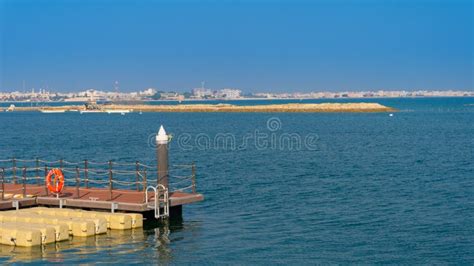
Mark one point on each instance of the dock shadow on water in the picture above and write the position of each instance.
(126, 244)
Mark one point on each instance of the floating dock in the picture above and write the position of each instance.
(96, 196)
(90, 198)
(40, 226)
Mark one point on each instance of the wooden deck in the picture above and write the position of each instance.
(90, 198)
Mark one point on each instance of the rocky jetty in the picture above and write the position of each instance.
(270, 108)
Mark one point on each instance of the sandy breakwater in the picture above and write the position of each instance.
(273, 108)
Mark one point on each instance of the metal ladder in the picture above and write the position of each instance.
(161, 200)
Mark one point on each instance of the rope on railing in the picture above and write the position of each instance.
(147, 166)
(123, 174)
(73, 163)
(25, 161)
(181, 177)
(37, 169)
(29, 178)
(98, 163)
(68, 171)
(124, 164)
(65, 169)
(7, 178)
(30, 169)
(96, 170)
(93, 162)
(182, 165)
(49, 162)
(125, 183)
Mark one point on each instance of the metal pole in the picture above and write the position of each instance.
(137, 168)
(24, 181)
(14, 171)
(77, 182)
(144, 179)
(162, 157)
(144, 184)
(45, 174)
(193, 170)
(61, 164)
(3, 183)
(37, 172)
(86, 173)
(110, 179)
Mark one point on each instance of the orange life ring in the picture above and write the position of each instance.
(58, 181)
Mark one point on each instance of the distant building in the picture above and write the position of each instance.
(202, 92)
(169, 95)
(148, 92)
(229, 93)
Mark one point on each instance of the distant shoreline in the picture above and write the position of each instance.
(249, 99)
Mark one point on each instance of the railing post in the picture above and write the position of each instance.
(86, 173)
(144, 184)
(3, 183)
(37, 172)
(14, 170)
(78, 195)
(110, 179)
(24, 182)
(193, 178)
(61, 164)
(162, 157)
(137, 169)
(45, 175)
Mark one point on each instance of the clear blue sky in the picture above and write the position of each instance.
(253, 45)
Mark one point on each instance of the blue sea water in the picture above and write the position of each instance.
(286, 188)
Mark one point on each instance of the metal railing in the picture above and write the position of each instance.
(161, 201)
(86, 174)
